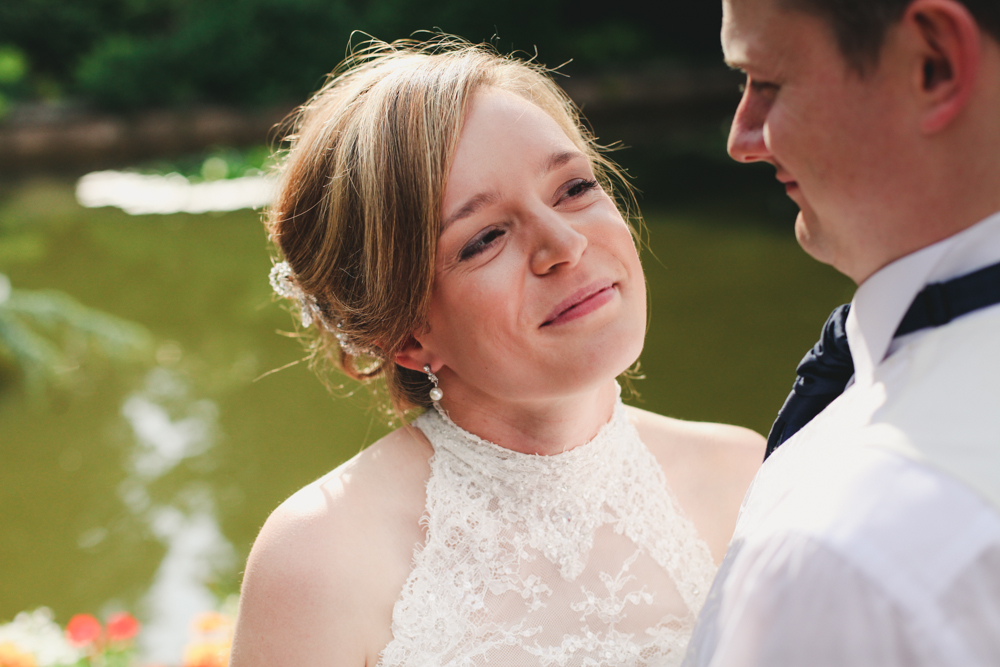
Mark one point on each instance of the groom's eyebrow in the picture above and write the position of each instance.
(737, 64)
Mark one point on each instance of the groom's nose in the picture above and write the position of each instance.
(746, 135)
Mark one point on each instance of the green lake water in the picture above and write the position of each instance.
(142, 486)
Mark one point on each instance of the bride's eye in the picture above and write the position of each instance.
(579, 188)
(480, 243)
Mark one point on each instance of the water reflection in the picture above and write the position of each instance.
(196, 551)
(162, 441)
(141, 194)
(171, 426)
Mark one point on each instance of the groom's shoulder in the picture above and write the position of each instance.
(903, 526)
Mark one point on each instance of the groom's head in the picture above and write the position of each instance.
(882, 118)
(860, 26)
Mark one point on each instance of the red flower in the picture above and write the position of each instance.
(83, 629)
(122, 626)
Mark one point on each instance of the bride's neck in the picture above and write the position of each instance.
(545, 427)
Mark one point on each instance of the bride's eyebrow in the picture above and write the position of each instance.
(557, 160)
(471, 207)
(483, 199)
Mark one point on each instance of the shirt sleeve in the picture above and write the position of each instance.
(801, 603)
(973, 602)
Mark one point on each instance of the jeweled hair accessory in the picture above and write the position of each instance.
(283, 282)
(284, 285)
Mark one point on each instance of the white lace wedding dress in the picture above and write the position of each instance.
(576, 560)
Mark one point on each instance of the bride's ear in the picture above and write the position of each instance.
(415, 356)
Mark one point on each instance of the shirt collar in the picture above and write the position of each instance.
(881, 301)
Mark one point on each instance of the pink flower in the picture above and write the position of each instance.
(122, 627)
(83, 629)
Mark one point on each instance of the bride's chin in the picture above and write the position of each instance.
(597, 376)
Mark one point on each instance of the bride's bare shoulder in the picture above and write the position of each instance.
(329, 562)
(699, 441)
(708, 467)
(382, 483)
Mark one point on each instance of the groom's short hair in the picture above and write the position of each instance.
(861, 25)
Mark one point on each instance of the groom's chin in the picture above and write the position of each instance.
(809, 234)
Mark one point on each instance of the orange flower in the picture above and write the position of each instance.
(122, 627)
(83, 629)
(209, 622)
(12, 656)
(207, 654)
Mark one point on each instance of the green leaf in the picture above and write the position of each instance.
(50, 309)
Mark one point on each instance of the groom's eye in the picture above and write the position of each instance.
(762, 86)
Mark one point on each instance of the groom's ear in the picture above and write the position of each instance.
(949, 53)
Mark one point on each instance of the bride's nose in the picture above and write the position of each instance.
(557, 242)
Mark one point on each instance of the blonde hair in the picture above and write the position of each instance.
(358, 211)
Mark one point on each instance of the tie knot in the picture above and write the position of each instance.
(827, 367)
(822, 376)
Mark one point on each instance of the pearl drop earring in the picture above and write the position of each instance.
(436, 394)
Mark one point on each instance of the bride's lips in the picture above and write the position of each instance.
(581, 303)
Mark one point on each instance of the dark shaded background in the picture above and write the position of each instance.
(130, 54)
(131, 58)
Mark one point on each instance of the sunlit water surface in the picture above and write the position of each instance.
(142, 487)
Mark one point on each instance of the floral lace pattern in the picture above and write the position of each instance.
(582, 559)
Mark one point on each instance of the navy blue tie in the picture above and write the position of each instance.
(825, 371)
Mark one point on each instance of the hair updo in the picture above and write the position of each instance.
(357, 215)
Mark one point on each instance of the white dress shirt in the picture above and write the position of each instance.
(872, 536)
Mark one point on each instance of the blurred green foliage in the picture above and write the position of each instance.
(13, 67)
(127, 54)
(47, 338)
(47, 334)
(217, 163)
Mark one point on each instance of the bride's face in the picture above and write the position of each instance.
(538, 290)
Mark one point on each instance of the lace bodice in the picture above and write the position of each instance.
(576, 560)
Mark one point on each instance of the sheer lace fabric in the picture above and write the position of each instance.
(576, 560)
